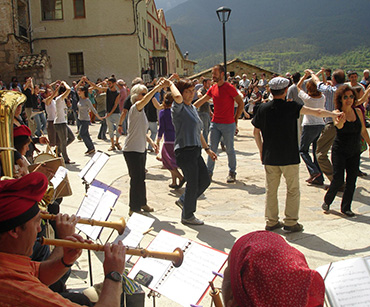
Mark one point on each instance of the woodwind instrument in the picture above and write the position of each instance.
(118, 225)
(215, 294)
(177, 256)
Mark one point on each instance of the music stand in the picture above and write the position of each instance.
(93, 167)
(97, 204)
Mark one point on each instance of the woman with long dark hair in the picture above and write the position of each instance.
(346, 148)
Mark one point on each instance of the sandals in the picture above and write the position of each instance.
(118, 146)
(112, 148)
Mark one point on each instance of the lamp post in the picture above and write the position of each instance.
(223, 14)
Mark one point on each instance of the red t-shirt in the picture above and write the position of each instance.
(223, 102)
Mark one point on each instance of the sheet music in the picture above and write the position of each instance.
(193, 276)
(187, 283)
(165, 242)
(134, 229)
(94, 166)
(348, 282)
(97, 205)
(59, 176)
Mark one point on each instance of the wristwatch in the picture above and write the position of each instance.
(115, 276)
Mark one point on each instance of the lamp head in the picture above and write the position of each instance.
(223, 14)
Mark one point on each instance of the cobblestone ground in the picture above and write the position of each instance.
(229, 210)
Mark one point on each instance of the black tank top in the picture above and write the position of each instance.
(348, 139)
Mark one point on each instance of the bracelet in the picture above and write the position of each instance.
(65, 264)
(207, 148)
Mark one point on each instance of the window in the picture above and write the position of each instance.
(51, 9)
(76, 63)
(156, 34)
(79, 8)
(149, 30)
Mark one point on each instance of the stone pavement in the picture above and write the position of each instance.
(229, 210)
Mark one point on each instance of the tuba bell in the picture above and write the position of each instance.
(9, 101)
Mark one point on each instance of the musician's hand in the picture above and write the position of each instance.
(43, 140)
(70, 255)
(114, 258)
(65, 225)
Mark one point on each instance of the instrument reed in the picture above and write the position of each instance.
(215, 294)
(118, 225)
(177, 256)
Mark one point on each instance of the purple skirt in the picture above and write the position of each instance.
(168, 156)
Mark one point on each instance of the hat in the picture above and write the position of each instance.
(244, 75)
(120, 82)
(279, 83)
(22, 130)
(19, 198)
(366, 71)
(237, 77)
(262, 264)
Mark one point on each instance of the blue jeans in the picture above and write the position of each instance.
(227, 131)
(310, 135)
(206, 119)
(103, 127)
(40, 121)
(190, 160)
(84, 134)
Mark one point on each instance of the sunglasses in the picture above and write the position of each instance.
(350, 96)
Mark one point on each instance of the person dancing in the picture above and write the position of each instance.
(188, 144)
(346, 149)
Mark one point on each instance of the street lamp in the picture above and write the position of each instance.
(223, 14)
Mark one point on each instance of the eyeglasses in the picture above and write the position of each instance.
(350, 96)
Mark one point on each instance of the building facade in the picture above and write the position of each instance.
(125, 38)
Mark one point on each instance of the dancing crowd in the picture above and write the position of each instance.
(289, 114)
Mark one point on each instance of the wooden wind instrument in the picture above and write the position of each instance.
(118, 225)
(177, 256)
(215, 294)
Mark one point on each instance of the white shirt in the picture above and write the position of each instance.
(51, 110)
(61, 111)
(310, 120)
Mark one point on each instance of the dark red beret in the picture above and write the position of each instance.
(22, 130)
(19, 198)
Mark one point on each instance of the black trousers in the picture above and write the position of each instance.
(343, 163)
(195, 171)
(136, 169)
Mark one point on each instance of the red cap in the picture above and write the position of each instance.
(21, 130)
(19, 198)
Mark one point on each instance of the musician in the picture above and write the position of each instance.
(24, 282)
(263, 270)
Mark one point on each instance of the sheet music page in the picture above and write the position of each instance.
(165, 242)
(187, 283)
(96, 167)
(348, 282)
(89, 164)
(134, 229)
(59, 176)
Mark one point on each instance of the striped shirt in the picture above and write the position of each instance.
(20, 286)
(329, 92)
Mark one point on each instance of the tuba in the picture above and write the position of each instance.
(9, 101)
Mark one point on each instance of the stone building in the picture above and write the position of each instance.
(237, 67)
(126, 38)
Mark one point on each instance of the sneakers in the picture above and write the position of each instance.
(179, 204)
(325, 207)
(348, 213)
(276, 226)
(295, 228)
(192, 221)
(231, 178)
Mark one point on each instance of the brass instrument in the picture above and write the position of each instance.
(9, 101)
(177, 256)
(118, 225)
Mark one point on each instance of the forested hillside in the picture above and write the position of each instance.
(278, 35)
